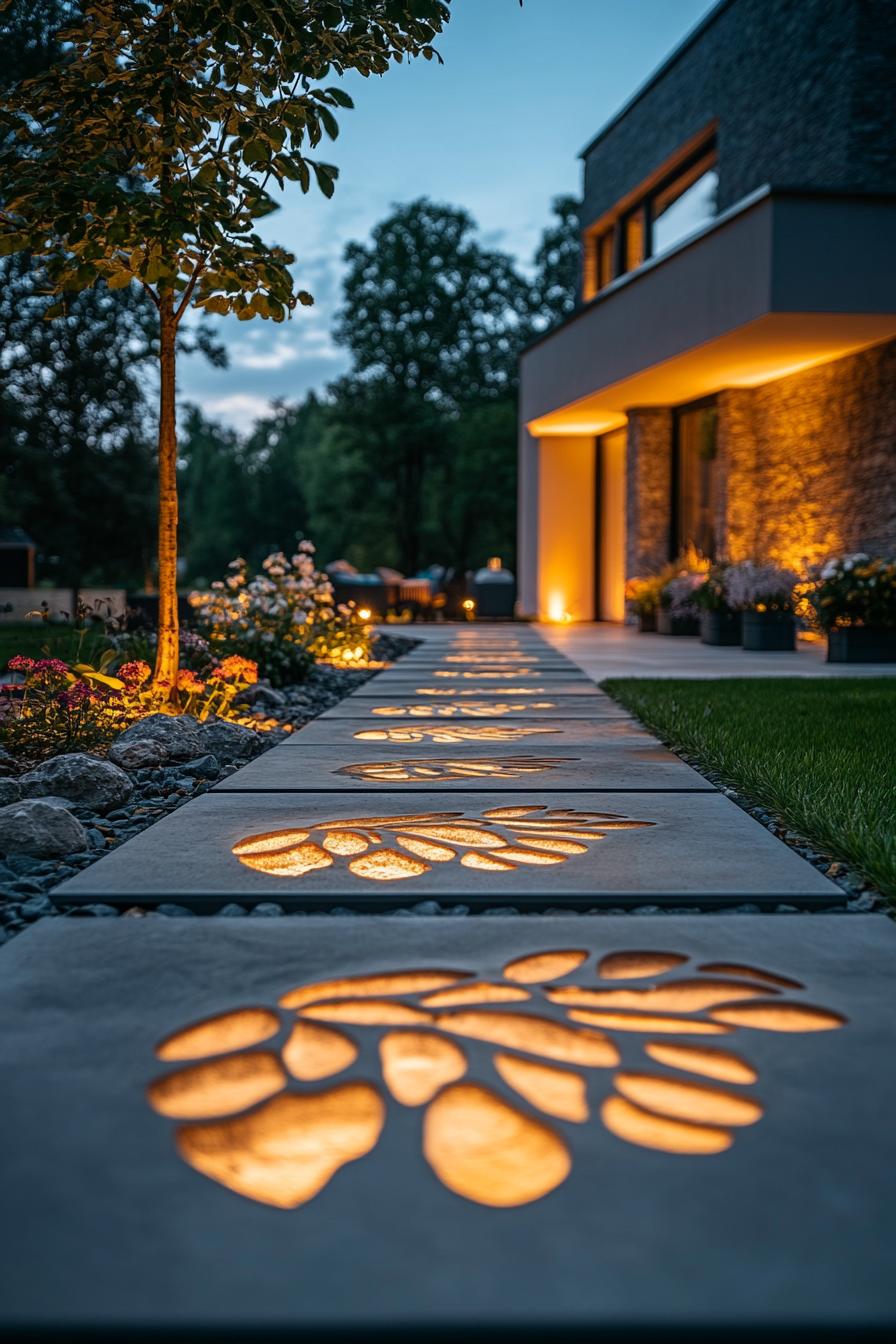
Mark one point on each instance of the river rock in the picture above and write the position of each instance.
(86, 780)
(228, 742)
(40, 829)
(175, 735)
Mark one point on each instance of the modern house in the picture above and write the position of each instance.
(728, 379)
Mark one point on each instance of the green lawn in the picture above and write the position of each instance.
(820, 754)
(30, 637)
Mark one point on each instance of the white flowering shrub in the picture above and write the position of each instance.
(285, 617)
(856, 589)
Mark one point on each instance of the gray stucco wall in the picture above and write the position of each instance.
(802, 91)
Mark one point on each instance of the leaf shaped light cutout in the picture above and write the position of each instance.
(249, 1090)
(437, 768)
(390, 849)
(474, 709)
(453, 732)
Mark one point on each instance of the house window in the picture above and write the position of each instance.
(679, 204)
(694, 483)
(684, 205)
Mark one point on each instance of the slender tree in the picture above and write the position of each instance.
(148, 153)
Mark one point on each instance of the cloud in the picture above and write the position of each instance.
(238, 411)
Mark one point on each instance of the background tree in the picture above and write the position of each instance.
(557, 266)
(145, 157)
(432, 321)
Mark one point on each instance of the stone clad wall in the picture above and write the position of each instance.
(801, 90)
(808, 463)
(648, 476)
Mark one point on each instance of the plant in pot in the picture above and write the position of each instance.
(763, 594)
(854, 601)
(679, 613)
(643, 598)
(719, 624)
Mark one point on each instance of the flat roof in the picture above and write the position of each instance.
(675, 54)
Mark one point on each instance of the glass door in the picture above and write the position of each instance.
(694, 484)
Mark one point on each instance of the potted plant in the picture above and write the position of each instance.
(719, 624)
(854, 601)
(678, 612)
(764, 596)
(643, 597)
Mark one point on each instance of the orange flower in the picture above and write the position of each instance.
(135, 673)
(236, 668)
(189, 682)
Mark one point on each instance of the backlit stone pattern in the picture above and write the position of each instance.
(806, 463)
(648, 483)
(245, 1087)
(789, 112)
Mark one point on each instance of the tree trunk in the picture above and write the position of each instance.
(167, 655)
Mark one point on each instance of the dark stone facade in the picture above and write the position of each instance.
(801, 90)
(806, 468)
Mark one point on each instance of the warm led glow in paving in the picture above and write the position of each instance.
(390, 849)
(508, 690)
(231, 1084)
(683, 997)
(544, 966)
(707, 1060)
(461, 732)
(440, 767)
(218, 1035)
(490, 1153)
(313, 1051)
(751, 973)
(647, 1130)
(475, 709)
(417, 1064)
(637, 965)
(248, 1125)
(555, 1091)
(778, 1017)
(287, 1151)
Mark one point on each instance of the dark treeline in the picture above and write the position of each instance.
(408, 459)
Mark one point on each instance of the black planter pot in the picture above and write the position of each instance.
(769, 631)
(647, 623)
(667, 624)
(721, 627)
(862, 644)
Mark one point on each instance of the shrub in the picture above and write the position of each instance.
(855, 590)
(284, 618)
(752, 587)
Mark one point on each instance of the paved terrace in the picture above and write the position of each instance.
(571, 1118)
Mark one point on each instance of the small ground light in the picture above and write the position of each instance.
(365, 613)
(468, 606)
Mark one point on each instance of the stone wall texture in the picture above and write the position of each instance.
(648, 474)
(802, 91)
(807, 464)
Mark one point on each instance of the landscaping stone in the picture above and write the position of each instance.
(693, 846)
(787, 1227)
(87, 780)
(176, 736)
(204, 767)
(10, 791)
(39, 828)
(262, 696)
(530, 762)
(137, 754)
(227, 742)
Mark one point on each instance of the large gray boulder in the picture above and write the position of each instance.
(9, 791)
(139, 754)
(228, 742)
(42, 829)
(85, 780)
(175, 735)
(262, 696)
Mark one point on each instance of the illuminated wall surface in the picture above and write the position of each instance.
(566, 529)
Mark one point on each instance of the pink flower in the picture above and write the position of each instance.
(19, 663)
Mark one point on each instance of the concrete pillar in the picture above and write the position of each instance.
(566, 498)
(527, 524)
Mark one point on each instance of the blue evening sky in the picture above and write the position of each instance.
(496, 129)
